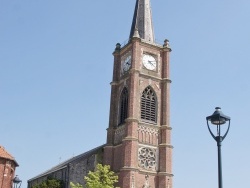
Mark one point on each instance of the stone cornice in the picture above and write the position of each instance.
(166, 127)
(112, 145)
(167, 49)
(108, 146)
(147, 145)
(155, 45)
(116, 52)
(155, 78)
(153, 126)
(165, 145)
(130, 119)
(118, 145)
(110, 128)
(150, 76)
(128, 138)
(136, 38)
(147, 172)
(114, 83)
(132, 71)
(166, 80)
(129, 168)
(165, 174)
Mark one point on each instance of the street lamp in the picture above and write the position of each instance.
(218, 119)
(16, 181)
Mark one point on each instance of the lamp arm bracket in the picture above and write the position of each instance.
(227, 131)
(210, 131)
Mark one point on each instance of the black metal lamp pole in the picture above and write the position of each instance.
(218, 119)
(16, 181)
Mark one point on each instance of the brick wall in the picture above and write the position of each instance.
(7, 171)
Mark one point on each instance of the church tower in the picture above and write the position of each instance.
(138, 145)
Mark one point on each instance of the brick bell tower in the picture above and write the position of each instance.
(138, 145)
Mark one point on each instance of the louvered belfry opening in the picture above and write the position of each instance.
(123, 106)
(148, 105)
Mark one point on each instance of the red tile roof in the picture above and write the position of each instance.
(4, 154)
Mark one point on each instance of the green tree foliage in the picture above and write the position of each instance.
(49, 183)
(72, 185)
(102, 177)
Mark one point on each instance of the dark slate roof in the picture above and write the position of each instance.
(142, 21)
(4, 154)
(65, 163)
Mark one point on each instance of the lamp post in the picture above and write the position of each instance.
(16, 181)
(218, 119)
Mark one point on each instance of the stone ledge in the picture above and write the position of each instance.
(128, 168)
(165, 174)
(166, 127)
(147, 172)
(130, 139)
(108, 146)
(129, 120)
(166, 80)
(166, 145)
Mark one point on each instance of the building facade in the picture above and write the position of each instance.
(139, 135)
(8, 165)
(138, 146)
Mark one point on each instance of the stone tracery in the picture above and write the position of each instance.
(147, 158)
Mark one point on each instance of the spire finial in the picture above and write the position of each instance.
(142, 21)
(136, 33)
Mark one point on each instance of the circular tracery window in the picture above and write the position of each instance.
(147, 158)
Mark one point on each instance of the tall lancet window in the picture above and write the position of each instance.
(148, 105)
(123, 106)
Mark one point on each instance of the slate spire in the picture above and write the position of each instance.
(142, 21)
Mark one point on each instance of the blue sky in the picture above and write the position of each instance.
(56, 65)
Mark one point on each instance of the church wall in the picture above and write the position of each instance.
(74, 171)
(79, 169)
(56, 175)
(61, 174)
(36, 181)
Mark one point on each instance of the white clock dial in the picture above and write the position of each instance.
(149, 62)
(126, 63)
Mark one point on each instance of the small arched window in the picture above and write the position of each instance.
(123, 106)
(148, 105)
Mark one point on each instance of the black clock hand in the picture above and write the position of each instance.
(151, 62)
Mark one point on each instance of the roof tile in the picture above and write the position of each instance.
(4, 154)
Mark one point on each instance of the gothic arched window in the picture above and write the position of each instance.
(148, 105)
(123, 106)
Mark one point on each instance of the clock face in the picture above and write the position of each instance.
(149, 62)
(126, 63)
